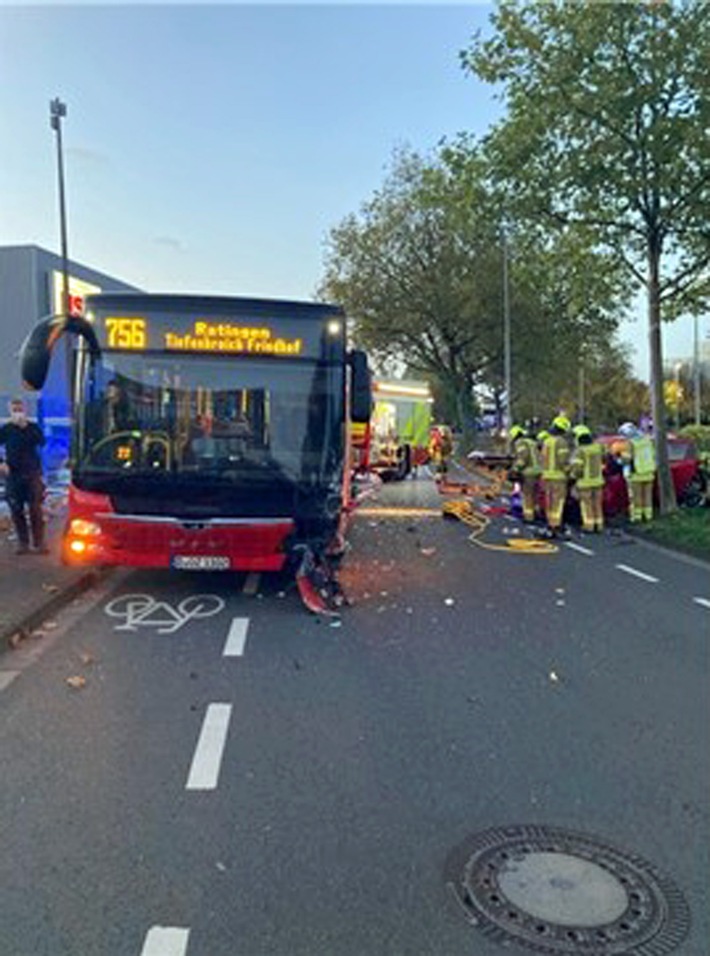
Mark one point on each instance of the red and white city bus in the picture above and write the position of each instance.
(209, 433)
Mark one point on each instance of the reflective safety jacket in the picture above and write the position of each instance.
(527, 457)
(555, 458)
(588, 464)
(643, 460)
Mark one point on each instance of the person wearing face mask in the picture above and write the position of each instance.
(23, 469)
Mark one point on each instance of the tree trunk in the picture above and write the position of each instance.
(666, 491)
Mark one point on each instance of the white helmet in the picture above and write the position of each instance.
(628, 430)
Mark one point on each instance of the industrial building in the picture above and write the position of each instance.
(31, 287)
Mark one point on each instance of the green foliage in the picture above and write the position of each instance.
(420, 271)
(608, 113)
(700, 435)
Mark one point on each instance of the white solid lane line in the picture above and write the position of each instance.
(165, 941)
(637, 574)
(703, 602)
(578, 547)
(208, 755)
(251, 585)
(237, 637)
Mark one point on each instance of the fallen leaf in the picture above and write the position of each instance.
(14, 639)
(86, 658)
(76, 682)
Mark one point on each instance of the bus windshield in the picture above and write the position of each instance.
(214, 419)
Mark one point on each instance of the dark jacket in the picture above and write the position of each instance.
(22, 446)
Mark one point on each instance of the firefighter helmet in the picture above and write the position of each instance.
(515, 432)
(561, 423)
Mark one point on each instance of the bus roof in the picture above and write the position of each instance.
(235, 305)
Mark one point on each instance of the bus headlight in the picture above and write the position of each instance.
(83, 528)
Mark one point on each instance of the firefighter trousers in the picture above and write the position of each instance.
(641, 498)
(590, 503)
(555, 496)
(528, 492)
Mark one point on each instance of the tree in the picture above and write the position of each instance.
(608, 111)
(414, 270)
(420, 271)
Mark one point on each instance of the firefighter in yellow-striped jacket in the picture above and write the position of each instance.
(587, 470)
(640, 472)
(555, 470)
(526, 468)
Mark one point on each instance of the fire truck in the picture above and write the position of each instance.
(399, 427)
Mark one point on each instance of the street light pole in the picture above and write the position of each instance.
(57, 111)
(696, 371)
(506, 335)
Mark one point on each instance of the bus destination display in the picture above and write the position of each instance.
(237, 336)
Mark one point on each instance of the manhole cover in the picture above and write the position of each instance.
(560, 892)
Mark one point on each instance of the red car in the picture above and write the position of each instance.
(685, 472)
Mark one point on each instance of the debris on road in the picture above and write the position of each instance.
(427, 552)
(554, 677)
(449, 602)
(77, 682)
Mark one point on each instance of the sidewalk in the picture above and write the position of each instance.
(33, 587)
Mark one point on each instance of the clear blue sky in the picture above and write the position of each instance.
(212, 148)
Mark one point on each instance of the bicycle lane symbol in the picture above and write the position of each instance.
(142, 610)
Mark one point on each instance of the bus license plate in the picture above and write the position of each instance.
(200, 562)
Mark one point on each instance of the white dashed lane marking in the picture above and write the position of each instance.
(204, 771)
(637, 574)
(237, 637)
(7, 677)
(703, 602)
(166, 941)
(578, 547)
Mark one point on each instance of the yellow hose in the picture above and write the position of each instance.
(464, 511)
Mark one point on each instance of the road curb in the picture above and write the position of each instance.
(56, 602)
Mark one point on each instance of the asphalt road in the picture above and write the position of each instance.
(238, 777)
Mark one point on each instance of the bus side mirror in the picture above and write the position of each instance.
(36, 350)
(361, 388)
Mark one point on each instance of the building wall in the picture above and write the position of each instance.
(27, 295)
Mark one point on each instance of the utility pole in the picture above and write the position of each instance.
(57, 112)
(696, 370)
(506, 335)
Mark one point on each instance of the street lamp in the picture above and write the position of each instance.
(696, 371)
(506, 334)
(57, 112)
